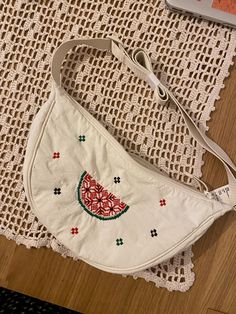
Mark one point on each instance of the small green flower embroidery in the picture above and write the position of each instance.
(117, 179)
(119, 242)
(82, 138)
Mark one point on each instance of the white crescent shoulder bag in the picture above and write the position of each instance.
(113, 210)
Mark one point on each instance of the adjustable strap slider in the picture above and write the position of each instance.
(118, 50)
(152, 80)
(142, 60)
(116, 40)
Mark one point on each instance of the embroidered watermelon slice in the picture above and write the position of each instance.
(97, 201)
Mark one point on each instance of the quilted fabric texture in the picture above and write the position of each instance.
(191, 57)
(158, 206)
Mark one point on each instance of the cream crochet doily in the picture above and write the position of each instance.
(190, 56)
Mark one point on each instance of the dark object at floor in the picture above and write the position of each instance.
(12, 302)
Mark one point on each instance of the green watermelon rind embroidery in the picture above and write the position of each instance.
(88, 211)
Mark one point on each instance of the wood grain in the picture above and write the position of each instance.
(44, 274)
(210, 311)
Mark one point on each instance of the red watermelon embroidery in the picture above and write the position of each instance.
(97, 201)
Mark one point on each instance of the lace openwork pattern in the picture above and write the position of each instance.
(190, 56)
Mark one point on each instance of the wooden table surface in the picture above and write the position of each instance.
(46, 275)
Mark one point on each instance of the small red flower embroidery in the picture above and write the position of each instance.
(56, 155)
(74, 230)
(162, 202)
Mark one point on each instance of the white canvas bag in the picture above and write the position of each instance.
(113, 210)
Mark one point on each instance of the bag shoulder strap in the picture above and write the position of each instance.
(140, 64)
